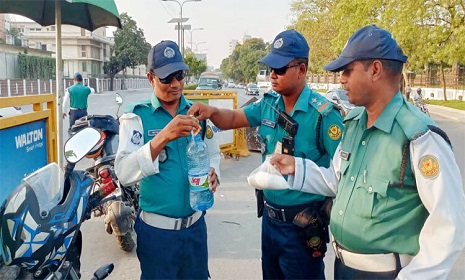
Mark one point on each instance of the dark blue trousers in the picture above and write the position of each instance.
(75, 115)
(172, 254)
(285, 254)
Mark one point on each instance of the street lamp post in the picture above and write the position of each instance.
(197, 45)
(192, 31)
(180, 28)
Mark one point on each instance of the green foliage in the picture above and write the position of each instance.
(36, 67)
(130, 49)
(190, 87)
(242, 64)
(196, 66)
(456, 104)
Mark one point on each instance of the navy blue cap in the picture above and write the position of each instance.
(165, 58)
(286, 46)
(78, 77)
(369, 42)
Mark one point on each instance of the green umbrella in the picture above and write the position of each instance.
(88, 14)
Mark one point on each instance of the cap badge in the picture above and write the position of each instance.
(168, 52)
(278, 43)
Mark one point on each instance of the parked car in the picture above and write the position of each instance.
(240, 85)
(252, 89)
(231, 85)
(339, 96)
(10, 111)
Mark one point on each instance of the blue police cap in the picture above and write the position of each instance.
(369, 42)
(78, 77)
(286, 46)
(165, 58)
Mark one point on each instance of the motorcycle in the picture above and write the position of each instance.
(423, 107)
(40, 220)
(123, 203)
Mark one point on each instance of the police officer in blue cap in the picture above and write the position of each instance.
(75, 100)
(171, 236)
(293, 119)
(399, 210)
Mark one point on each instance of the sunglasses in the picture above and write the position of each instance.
(179, 75)
(281, 71)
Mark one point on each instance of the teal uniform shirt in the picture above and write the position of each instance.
(309, 106)
(377, 209)
(78, 94)
(167, 192)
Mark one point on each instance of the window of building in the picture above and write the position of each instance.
(83, 51)
(53, 28)
(84, 66)
(83, 32)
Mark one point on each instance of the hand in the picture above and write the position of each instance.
(213, 179)
(64, 115)
(285, 164)
(179, 126)
(200, 110)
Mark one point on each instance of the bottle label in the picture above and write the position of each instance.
(199, 182)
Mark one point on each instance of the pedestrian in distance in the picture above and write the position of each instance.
(75, 100)
(399, 211)
(154, 134)
(408, 90)
(291, 119)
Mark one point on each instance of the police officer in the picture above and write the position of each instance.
(171, 236)
(400, 207)
(75, 100)
(292, 119)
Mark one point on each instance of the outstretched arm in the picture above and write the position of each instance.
(220, 117)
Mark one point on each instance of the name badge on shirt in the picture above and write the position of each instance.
(344, 155)
(268, 123)
(153, 132)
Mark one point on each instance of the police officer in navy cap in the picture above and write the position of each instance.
(75, 100)
(399, 211)
(296, 120)
(171, 236)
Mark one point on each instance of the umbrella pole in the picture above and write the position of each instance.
(59, 83)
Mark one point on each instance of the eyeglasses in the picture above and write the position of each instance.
(179, 75)
(281, 71)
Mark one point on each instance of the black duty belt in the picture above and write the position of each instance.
(287, 214)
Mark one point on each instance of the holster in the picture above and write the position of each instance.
(260, 202)
(313, 224)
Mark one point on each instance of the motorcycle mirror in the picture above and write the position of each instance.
(119, 99)
(81, 143)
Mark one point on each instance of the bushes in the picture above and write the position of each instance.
(36, 67)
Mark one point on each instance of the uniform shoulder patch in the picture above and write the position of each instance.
(209, 132)
(321, 104)
(334, 132)
(429, 166)
(136, 137)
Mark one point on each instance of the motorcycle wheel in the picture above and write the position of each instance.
(126, 242)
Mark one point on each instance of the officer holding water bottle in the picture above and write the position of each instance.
(154, 139)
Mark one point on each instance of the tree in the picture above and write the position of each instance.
(130, 49)
(242, 64)
(196, 66)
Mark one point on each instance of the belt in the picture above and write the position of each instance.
(74, 109)
(163, 222)
(370, 262)
(283, 214)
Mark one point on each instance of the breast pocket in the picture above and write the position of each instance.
(370, 199)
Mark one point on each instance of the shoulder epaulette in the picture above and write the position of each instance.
(413, 122)
(131, 107)
(321, 104)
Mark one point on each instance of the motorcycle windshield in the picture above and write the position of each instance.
(47, 183)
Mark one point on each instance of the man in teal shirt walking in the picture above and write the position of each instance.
(75, 100)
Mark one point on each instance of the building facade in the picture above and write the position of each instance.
(82, 51)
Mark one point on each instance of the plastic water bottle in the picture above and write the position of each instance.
(198, 167)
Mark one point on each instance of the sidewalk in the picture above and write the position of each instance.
(448, 113)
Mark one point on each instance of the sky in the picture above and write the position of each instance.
(222, 20)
